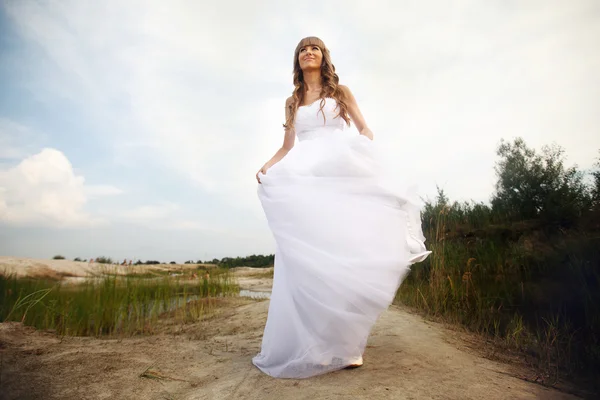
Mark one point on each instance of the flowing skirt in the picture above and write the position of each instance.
(344, 243)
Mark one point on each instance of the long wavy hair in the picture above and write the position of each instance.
(329, 83)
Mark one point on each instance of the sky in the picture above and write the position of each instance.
(133, 129)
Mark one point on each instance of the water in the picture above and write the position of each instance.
(255, 294)
(177, 301)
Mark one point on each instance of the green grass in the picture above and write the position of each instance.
(532, 290)
(111, 304)
(263, 274)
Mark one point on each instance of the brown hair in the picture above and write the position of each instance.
(329, 83)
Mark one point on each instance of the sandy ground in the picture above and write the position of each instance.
(65, 268)
(253, 279)
(406, 358)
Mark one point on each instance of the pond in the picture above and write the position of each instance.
(255, 294)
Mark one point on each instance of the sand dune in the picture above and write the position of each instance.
(66, 268)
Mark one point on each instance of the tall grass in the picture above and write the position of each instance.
(534, 290)
(111, 304)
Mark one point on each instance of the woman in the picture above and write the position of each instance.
(344, 239)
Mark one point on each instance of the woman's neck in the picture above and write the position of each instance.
(312, 81)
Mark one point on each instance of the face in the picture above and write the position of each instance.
(310, 57)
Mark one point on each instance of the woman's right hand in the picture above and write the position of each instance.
(263, 170)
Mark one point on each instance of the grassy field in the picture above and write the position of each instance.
(112, 304)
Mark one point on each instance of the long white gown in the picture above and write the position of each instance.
(344, 242)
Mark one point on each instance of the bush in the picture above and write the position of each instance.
(104, 260)
(507, 271)
(257, 261)
(535, 288)
(58, 257)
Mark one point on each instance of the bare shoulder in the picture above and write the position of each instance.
(347, 93)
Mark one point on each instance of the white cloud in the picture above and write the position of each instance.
(93, 191)
(150, 212)
(43, 190)
(164, 216)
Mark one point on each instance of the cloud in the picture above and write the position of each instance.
(43, 190)
(164, 216)
(93, 191)
(150, 212)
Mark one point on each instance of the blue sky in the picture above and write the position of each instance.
(133, 129)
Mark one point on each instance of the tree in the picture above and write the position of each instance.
(104, 260)
(532, 185)
(596, 184)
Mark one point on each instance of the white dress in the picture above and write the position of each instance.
(344, 242)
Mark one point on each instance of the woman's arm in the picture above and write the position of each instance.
(355, 114)
(288, 143)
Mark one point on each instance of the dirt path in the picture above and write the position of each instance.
(406, 358)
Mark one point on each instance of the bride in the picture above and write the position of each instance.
(344, 238)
